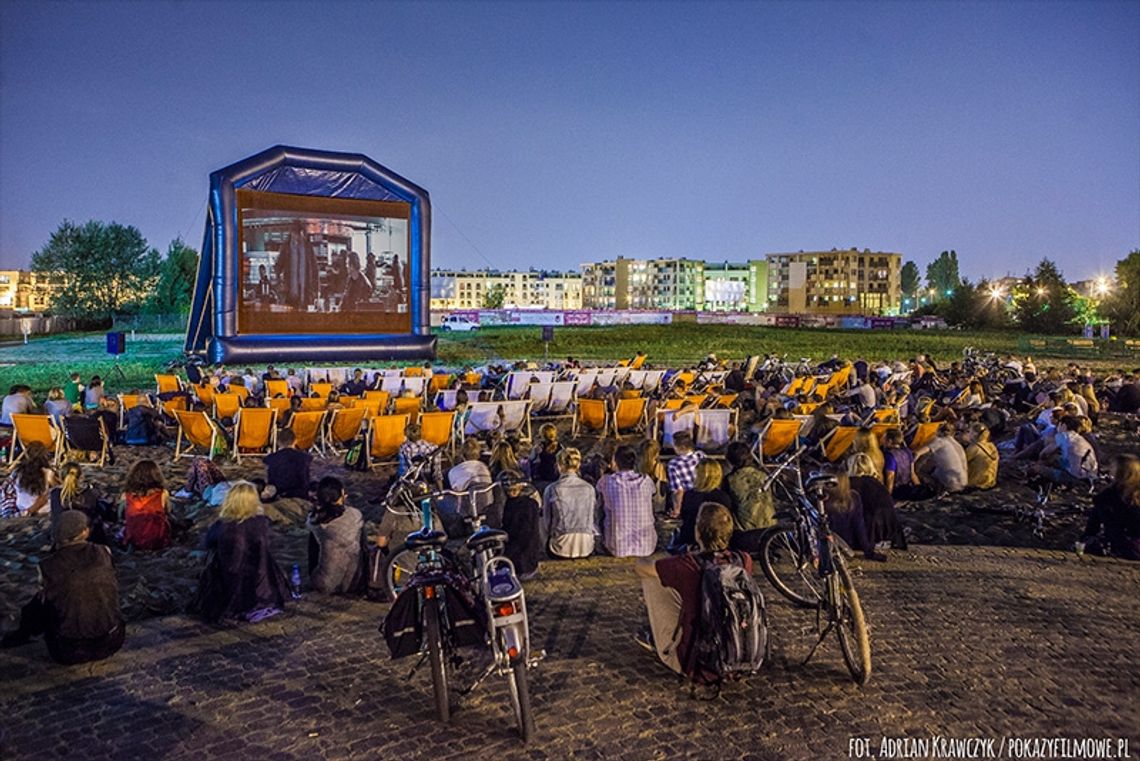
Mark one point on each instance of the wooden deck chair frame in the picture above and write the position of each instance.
(317, 419)
(581, 406)
(32, 425)
(251, 412)
(639, 423)
(66, 450)
(397, 423)
(335, 443)
(835, 445)
(166, 383)
(431, 422)
(183, 417)
(784, 436)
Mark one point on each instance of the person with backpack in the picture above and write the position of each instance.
(706, 614)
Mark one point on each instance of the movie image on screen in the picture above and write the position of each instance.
(322, 265)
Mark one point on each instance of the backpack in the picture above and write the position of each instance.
(731, 639)
(354, 457)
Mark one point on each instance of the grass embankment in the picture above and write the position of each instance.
(45, 362)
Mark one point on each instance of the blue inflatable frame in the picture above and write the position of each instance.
(213, 327)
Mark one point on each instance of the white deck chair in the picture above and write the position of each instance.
(417, 385)
(606, 376)
(516, 418)
(516, 384)
(669, 422)
(483, 417)
(714, 429)
(392, 384)
(620, 375)
(539, 396)
(636, 378)
(652, 380)
(584, 382)
(561, 398)
(445, 399)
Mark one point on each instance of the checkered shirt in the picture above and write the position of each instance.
(682, 470)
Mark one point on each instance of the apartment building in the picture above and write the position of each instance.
(531, 289)
(668, 284)
(736, 287)
(24, 291)
(835, 282)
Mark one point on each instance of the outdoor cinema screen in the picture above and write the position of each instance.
(322, 265)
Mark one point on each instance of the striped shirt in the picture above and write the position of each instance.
(627, 501)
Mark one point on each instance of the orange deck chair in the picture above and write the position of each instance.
(321, 388)
(697, 399)
(777, 437)
(195, 429)
(241, 391)
(438, 428)
(924, 433)
(314, 403)
(205, 394)
(592, 415)
(629, 416)
(836, 443)
(385, 435)
(275, 387)
(306, 426)
(28, 429)
(127, 402)
(226, 406)
(167, 383)
(441, 381)
(412, 372)
(880, 430)
(255, 432)
(281, 404)
(725, 400)
(407, 405)
(344, 426)
(472, 379)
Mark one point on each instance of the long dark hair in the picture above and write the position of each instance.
(143, 478)
(328, 506)
(30, 472)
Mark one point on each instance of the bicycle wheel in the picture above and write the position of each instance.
(438, 658)
(790, 568)
(398, 569)
(520, 699)
(850, 626)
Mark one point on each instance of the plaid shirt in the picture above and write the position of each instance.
(410, 450)
(627, 501)
(682, 470)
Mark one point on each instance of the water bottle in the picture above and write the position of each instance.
(295, 581)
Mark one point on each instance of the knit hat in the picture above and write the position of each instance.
(71, 524)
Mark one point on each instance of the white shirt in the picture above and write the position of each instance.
(950, 466)
(467, 472)
(1077, 455)
(20, 404)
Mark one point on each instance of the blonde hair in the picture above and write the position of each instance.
(241, 502)
(861, 464)
(548, 433)
(709, 475)
(55, 393)
(865, 442)
(72, 474)
(504, 456)
(1128, 478)
(714, 526)
(569, 459)
(647, 464)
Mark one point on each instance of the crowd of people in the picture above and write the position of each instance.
(563, 499)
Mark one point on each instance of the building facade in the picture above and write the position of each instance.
(24, 291)
(736, 287)
(666, 284)
(532, 289)
(835, 282)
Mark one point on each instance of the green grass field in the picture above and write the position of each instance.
(45, 362)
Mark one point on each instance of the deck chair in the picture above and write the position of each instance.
(584, 382)
(777, 437)
(275, 387)
(472, 379)
(793, 387)
(607, 376)
(652, 380)
(629, 416)
(195, 429)
(343, 428)
(884, 415)
(924, 433)
(127, 402)
(835, 444)
(670, 422)
(445, 399)
(373, 396)
(636, 378)
(880, 430)
(321, 388)
(84, 435)
(672, 404)
(438, 428)
(539, 396)
(516, 418)
(307, 426)
(29, 429)
(807, 408)
(412, 372)
(226, 406)
(724, 401)
(560, 402)
(417, 386)
(255, 428)
(240, 391)
(697, 399)
(821, 390)
(167, 383)
(590, 415)
(684, 379)
(441, 381)
(314, 403)
(385, 435)
(482, 417)
(715, 430)
(407, 405)
(637, 362)
(279, 403)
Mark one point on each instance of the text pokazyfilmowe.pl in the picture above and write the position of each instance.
(937, 746)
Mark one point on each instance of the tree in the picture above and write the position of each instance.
(942, 274)
(910, 280)
(106, 268)
(1122, 307)
(175, 287)
(1044, 302)
(496, 294)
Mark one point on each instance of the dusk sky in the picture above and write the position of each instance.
(551, 134)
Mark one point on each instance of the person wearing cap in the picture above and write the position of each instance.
(77, 606)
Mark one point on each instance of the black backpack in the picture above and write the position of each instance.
(356, 456)
(731, 638)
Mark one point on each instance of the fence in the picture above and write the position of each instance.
(151, 323)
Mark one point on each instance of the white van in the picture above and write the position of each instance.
(457, 322)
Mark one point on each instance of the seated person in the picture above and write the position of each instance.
(706, 488)
(521, 522)
(18, 402)
(672, 590)
(845, 514)
(627, 505)
(1070, 458)
(335, 532)
(568, 509)
(29, 484)
(981, 458)
(75, 494)
(471, 468)
(241, 579)
(145, 508)
(943, 461)
(414, 448)
(356, 386)
(108, 411)
(879, 514)
(77, 605)
(1116, 510)
(144, 425)
(57, 405)
(287, 469)
(898, 461)
(752, 506)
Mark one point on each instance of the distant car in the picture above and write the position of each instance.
(458, 322)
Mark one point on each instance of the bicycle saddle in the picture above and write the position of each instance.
(420, 539)
(820, 482)
(485, 537)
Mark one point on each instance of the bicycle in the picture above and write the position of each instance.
(805, 564)
(494, 584)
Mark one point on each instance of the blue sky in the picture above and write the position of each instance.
(554, 133)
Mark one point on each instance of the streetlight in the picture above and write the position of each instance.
(1041, 290)
(995, 293)
(1102, 287)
